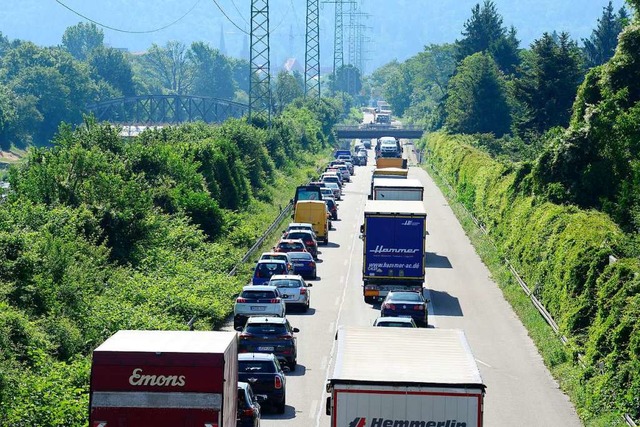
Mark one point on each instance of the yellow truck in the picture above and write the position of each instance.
(391, 162)
(313, 212)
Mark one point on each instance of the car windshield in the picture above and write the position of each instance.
(249, 366)
(293, 245)
(285, 283)
(266, 329)
(298, 235)
(301, 256)
(258, 294)
(395, 324)
(405, 296)
(275, 256)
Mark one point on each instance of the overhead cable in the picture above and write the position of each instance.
(128, 31)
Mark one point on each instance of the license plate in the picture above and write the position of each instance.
(265, 348)
(298, 264)
(258, 308)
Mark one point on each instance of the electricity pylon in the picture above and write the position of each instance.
(260, 79)
(312, 51)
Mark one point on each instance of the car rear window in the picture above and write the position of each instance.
(298, 235)
(300, 256)
(395, 324)
(285, 283)
(405, 296)
(256, 366)
(259, 294)
(266, 329)
(290, 245)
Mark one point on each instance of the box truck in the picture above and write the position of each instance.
(394, 243)
(397, 189)
(165, 379)
(409, 377)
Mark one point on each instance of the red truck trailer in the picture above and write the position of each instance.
(165, 379)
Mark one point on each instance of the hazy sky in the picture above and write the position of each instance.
(395, 29)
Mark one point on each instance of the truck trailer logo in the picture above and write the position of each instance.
(380, 249)
(411, 223)
(382, 422)
(138, 379)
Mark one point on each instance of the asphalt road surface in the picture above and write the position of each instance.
(520, 390)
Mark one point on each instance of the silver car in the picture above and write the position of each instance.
(258, 300)
(294, 289)
(337, 192)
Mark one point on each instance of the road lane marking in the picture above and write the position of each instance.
(485, 364)
(337, 325)
(314, 407)
(324, 361)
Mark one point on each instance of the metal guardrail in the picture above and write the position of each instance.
(262, 238)
(539, 306)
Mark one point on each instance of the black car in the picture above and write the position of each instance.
(248, 406)
(263, 372)
(270, 335)
(405, 304)
(332, 206)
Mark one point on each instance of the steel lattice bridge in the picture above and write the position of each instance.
(368, 131)
(166, 110)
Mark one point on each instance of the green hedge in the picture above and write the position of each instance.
(563, 254)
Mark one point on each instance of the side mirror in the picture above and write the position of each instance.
(309, 285)
(296, 330)
(362, 229)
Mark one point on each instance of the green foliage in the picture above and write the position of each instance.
(484, 33)
(599, 48)
(288, 87)
(562, 253)
(81, 39)
(477, 98)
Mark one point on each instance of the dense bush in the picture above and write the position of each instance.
(563, 254)
(101, 234)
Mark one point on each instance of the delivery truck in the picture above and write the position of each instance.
(411, 378)
(394, 243)
(165, 379)
(397, 189)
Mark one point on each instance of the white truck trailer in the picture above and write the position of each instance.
(397, 377)
(397, 189)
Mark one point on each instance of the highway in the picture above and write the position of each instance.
(520, 390)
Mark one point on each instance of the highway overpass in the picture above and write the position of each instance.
(377, 131)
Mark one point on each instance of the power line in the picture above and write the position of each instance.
(239, 12)
(128, 31)
(229, 19)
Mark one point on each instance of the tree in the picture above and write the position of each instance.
(212, 72)
(549, 82)
(348, 80)
(111, 66)
(477, 98)
(483, 32)
(287, 88)
(171, 66)
(81, 39)
(599, 48)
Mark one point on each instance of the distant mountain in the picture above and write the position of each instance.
(397, 29)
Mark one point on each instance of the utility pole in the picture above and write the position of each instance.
(338, 45)
(312, 51)
(259, 79)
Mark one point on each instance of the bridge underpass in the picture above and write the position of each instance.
(377, 131)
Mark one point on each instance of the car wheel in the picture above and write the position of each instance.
(293, 364)
(280, 406)
(314, 276)
(305, 307)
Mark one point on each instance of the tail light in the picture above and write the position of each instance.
(248, 412)
(245, 335)
(303, 291)
(274, 300)
(389, 306)
(277, 382)
(312, 264)
(418, 307)
(240, 299)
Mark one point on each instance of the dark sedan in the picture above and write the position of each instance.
(304, 265)
(266, 377)
(248, 406)
(307, 237)
(405, 304)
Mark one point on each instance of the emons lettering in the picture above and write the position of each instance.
(138, 379)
